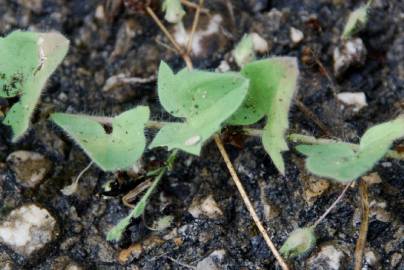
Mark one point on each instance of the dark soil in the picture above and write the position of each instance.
(101, 47)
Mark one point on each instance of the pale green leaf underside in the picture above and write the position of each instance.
(115, 151)
(26, 61)
(340, 162)
(273, 83)
(205, 99)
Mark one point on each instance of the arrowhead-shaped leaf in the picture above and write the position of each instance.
(273, 83)
(117, 150)
(204, 99)
(340, 162)
(26, 61)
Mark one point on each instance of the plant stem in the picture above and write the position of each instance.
(140, 206)
(363, 231)
(332, 205)
(247, 202)
(294, 138)
(300, 138)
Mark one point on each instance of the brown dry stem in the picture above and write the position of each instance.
(363, 230)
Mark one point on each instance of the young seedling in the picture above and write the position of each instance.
(343, 163)
(27, 60)
(356, 21)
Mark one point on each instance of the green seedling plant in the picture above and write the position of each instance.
(343, 163)
(26, 62)
(356, 20)
(203, 103)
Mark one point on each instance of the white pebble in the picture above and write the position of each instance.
(28, 229)
(357, 100)
(296, 35)
(260, 44)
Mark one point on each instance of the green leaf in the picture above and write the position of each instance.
(116, 232)
(173, 11)
(115, 151)
(339, 161)
(244, 52)
(299, 242)
(205, 99)
(357, 20)
(26, 61)
(273, 83)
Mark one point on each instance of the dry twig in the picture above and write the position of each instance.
(363, 231)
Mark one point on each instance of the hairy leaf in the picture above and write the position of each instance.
(340, 162)
(299, 242)
(205, 99)
(27, 60)
(272, 86)
(116, 150)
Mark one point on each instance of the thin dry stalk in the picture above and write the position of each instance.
(180, 51)
(194, 25)
(363, 230)
(323, 216)
(248, 203)
(195, 6)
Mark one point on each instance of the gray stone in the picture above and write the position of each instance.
(211, 262)
(330, 256)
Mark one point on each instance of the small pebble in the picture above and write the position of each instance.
(28, 229)
(260, 44)
(211, 262)
(356, 100)
(30, 168)
(396, 259)
(350, 53)
(329, 257)
(296, 35)
(207, 207)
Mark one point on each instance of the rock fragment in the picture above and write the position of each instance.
(296, 35)
(330, 257)
(28, 229)
(356, 100)
(350, 53)
(207, 207)
(30, 168)
(212, 261)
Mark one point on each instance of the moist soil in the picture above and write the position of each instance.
(109, 38)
